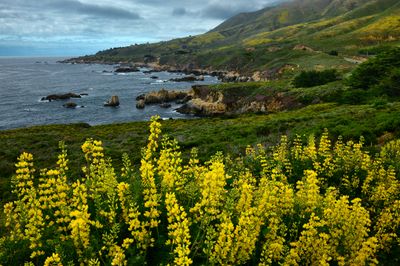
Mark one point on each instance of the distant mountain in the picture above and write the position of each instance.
(300, 32)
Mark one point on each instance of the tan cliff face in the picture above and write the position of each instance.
(207, 101)
(203, 100)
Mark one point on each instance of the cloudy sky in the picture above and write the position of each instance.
(78, 27)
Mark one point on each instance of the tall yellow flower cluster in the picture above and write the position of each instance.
(213, 192)
(178, 230)
(131, 214)
(16, 212)
(169, 166)
(147, 173)
(308, 191)
(80, 218)
(222, 248)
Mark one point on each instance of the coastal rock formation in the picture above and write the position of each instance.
(156, 97)
(165, 105)
(161, 97)
(126, 70)
(70, 105)
(140, 97)
(209, 101)
(190, 78)
(140, 104)
(65, 96)
(113, 102)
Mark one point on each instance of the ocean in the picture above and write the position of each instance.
(24, 81)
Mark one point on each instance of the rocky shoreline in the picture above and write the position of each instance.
(193, 74)
(203, 100)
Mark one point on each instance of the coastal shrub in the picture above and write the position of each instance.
(333, 53)
(379, 74)
(314, 78)
(390, 85)
(353, 96)
(306, 202)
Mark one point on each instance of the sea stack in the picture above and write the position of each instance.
(113, 102)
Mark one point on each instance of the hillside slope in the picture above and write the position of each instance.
(298, 33)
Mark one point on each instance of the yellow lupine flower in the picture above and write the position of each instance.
(224, 243)
(53, 260)
(169, 166)
(312, 248)
(212, 192)
(308, 191)
(80, 218)
(178, 230)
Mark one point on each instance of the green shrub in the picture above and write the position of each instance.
(314, 78)
(390, 85)
(380, 103)
(334, 53)
(377, 72)
(354, 96)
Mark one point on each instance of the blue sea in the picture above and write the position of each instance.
(24, 81)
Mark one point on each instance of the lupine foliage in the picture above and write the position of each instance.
(305, 202)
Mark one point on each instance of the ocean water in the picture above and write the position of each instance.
(24, 81)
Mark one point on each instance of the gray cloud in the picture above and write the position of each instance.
(97, 25)
(77, 7)
(220, 12)
(179, 11)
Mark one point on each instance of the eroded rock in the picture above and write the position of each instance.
(65, 96)
(113, 102)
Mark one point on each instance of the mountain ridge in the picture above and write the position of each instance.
(267, 38)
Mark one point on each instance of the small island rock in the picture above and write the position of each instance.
(70, 105)
(126, 70)
(113, 102)
(65, 96)
(140, 104)
(165, 105)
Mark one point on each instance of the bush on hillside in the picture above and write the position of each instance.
(390, 84)
(314, 78)
(333, 53)
(380, 74)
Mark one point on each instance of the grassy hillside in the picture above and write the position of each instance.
(270, 38)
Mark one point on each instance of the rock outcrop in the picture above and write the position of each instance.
(70, 105)
(302, 47)
(162, 97)
(140, 104)
(126, 70)
(113, 102)
(190, 78)
(208, 101)
(165, 105)
(65, 96)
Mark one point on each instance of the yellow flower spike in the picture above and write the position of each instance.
(80, 218)
(308, 191)
(178, 230)
(212, 192)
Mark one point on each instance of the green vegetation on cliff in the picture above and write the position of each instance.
(300, 33)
